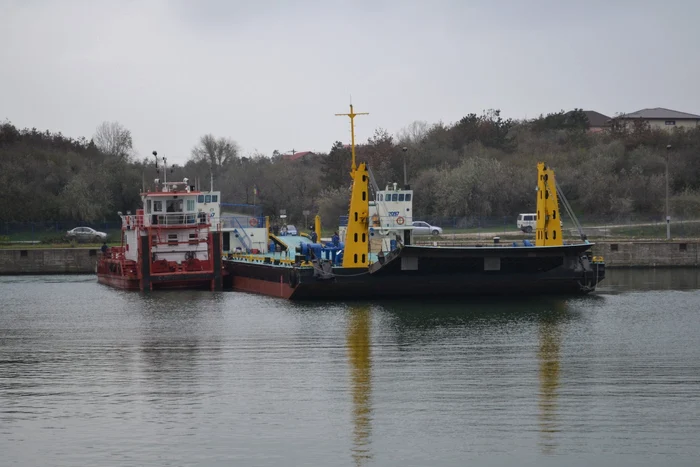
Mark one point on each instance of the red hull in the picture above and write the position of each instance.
(119, 282)
(246, 284)
(132, 283)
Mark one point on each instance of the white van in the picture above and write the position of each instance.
(527, 222)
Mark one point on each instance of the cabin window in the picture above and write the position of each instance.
(214, 198)
(394, 197)
(173, 205)
(408, 196)
(148, 206)
(190, 205)
(682, 247)
(670, 122)
(172, 239)
(157, 206)
(193, 239)
(401, 196)
(200, 198)
(207, 198)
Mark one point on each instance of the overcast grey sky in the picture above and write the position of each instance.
(271, 74)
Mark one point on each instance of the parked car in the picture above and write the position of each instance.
(86, 234)
(527, 222)
(291, 230)
(423, 228)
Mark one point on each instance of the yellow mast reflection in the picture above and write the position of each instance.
(359, 355)
(549, 363)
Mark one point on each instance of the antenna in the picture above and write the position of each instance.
(352, 116)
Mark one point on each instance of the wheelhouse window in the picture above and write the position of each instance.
(157, 206)
(173, 205)
(408, 196)
(381, 197)
(214, 198)
(148, 206)
(207, 198)
(200, 198)
(394, 197)
(190, 205)
(401, 196)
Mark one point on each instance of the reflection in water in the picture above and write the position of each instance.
(484, 317)
(358, 343)
(549, 365)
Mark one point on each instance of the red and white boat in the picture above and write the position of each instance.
(174, 241)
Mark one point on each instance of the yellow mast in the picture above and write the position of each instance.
(548, 221)
(352, 116)
(356, 252)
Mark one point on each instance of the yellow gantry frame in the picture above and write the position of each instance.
(356, 254)
(548, 221)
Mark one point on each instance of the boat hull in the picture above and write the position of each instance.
(431, 272)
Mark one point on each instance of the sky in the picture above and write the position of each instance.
(271, 74)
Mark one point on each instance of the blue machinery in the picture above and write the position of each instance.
(319, 251)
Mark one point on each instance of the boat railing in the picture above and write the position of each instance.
(131, 221)
(383, 222)
(247, 241)
(181, 219)
(236, 222)
(390, 222)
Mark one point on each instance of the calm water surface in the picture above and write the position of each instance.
(94, 376)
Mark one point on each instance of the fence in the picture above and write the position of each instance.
(641, 227)
(55, 231)
(48, 230)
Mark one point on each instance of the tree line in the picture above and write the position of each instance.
(479, 167)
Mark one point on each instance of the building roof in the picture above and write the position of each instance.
(597, 119)
(659, 113)
(296, 156)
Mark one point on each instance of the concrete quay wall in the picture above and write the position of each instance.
(48, 261)
(617, 254)
(648, 254)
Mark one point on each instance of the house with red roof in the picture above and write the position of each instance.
(295, 156)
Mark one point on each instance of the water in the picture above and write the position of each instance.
(94, 376)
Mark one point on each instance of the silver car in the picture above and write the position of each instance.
(423, 228)
(86, 234)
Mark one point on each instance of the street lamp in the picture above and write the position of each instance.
(668, 216)
(405, 178)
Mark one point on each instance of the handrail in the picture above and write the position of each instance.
(242, 229)
(390, 222)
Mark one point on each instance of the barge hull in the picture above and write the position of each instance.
(430, 272)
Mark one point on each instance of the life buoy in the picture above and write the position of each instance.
(400, 220)
(253, 222)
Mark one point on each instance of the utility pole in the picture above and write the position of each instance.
(668, 216)
(405, 178)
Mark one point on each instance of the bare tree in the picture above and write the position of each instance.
(218, 152)
(113, 139)
(414, 133)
